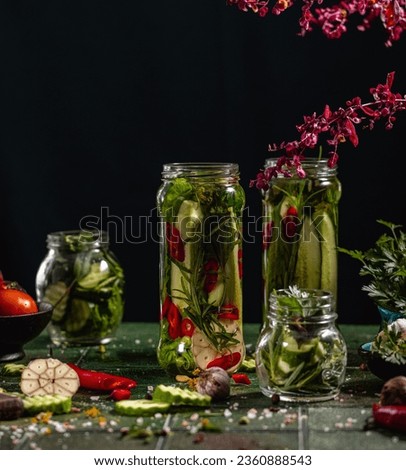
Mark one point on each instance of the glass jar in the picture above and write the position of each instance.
(299, 230)
(84, 282)
(301, 355)
(200, 207)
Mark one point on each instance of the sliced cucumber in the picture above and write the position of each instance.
(78, 316)
(140, 407)
(57, 295)
(56, 404)
(179, 396)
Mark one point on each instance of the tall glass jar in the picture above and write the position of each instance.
(300, 222)
(200, 207)
(301, 355)
(84, 281)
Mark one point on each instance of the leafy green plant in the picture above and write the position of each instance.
(385, 264)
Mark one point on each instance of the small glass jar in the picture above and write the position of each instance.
(300, 230)
(301, 355)
(200, 207)
(84, 282)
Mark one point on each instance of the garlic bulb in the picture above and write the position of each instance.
(214, 382)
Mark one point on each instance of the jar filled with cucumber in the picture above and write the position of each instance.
(83, 280)
(200, 207)
(301, 354)
(299, 230)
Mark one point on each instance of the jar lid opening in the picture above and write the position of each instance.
(77, 240)
(200, 169)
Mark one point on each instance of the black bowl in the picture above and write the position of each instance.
(17, 330)
(379, 367)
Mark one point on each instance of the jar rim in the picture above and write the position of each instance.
(77, 240)
(200, 169)
(310, 305)
(309, 164)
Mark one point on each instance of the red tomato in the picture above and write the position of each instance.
(16, 302)
(187, 327)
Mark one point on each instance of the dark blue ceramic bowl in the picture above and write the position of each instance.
(379, 367)
(17, 330)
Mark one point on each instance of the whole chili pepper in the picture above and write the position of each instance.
(176, 246)
(120, 394)
(290, 222)
(174, 320)
(390, 416)
(241, 379)
(225, 362)
(95, 380)
(267, 235)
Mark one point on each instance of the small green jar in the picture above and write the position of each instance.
(84, 282)
(301, 354)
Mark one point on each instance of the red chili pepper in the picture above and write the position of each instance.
(95, 380)
(241, 379)
(211, 274)
(176, 246)
(225, 362)
(267, 235)
(240, 270)
(290, 222)
(187, 327)
(120, 394)
(390, 416)
(229, 312)
(174, 320)
(166, 306)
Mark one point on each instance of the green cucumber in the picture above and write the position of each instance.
(57, 404)
(179, 396)
(233, 281)
(328, 278)
(140, 407)
(308, 265)
(188, 223)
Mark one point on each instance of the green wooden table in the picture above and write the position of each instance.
(245, 420)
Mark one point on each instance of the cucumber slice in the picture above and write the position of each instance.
(56, 404)
(94, 277)
(140, 407)
(179, 396)
(57, 295)
(79, 314)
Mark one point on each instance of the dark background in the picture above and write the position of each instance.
(96, 95)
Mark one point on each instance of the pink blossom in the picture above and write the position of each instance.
(340, 125)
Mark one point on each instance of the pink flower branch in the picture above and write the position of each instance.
(339, 125)
(333, 20)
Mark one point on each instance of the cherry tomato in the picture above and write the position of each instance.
(16, 302)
